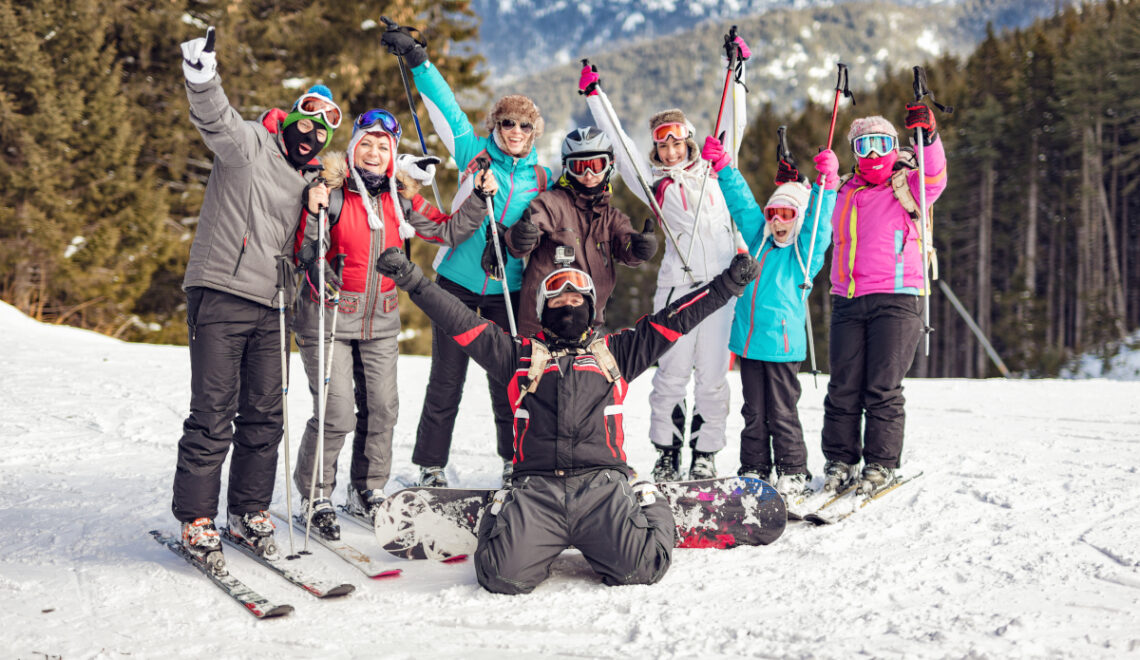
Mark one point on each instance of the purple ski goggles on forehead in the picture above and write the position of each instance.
(378, 118)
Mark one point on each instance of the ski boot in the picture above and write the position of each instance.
(792, 487)
(703, 465)
(363, 504)
(508, 471)
(761, 472)
(433, 477)
(256, 530)
(668, 465)
(322, 516)
(200, 538)
(838, 476)
(875, 478)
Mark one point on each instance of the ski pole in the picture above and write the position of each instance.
(732, 50)
(338, 268)
(393, 26)
(925, 232)
(646, 189)
(319, 463)
(484, 165)
(282, 274)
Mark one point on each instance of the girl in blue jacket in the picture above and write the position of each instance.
(768, 330)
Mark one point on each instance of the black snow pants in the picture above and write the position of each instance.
(596, 512)
(872, 345)
(772, 427)
(235, 398)
(445, 384)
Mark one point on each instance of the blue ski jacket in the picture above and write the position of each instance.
(770, 318)
(518, 178)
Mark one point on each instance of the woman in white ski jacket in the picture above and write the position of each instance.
(696, 249)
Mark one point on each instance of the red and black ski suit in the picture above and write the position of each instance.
(571, 479)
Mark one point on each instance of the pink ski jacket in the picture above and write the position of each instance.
(877, 244)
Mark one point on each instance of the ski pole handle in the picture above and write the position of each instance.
(782, 151)
(209, 40)
(921, 89)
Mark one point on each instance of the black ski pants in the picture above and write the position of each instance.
(873, 340)
(235, 398)
(445, 384)
(772, 427)
(596, 512)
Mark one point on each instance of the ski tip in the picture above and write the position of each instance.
(457, 559)
(383, 575)
(279, 610)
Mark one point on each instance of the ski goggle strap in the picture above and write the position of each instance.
(579, 166)
(313, 104)
(567, 278)
(675, 130)
(382, 118)
(781, 213)
(873, 143)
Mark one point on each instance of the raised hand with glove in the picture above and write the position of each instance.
(827, 164)
(714, 153)
(740, 272)
(199, 61)
(588, 80)
(524, 235)
(394, 265)
(644, 245)
(420, 168)
(920, 116)
(401, 43)
(787, 172)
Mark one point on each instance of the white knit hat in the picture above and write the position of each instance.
(794, 195)
(375, 222)
(872, 124)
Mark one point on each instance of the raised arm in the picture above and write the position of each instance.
(631, 163)
(230, 137)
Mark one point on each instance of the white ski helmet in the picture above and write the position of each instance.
(561, 280)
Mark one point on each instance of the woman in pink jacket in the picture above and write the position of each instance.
(877, 282)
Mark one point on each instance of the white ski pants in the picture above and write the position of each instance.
(702, 355)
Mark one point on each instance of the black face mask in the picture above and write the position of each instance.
(587, 191)
(567, 323)
(294, 138)
(373, 182)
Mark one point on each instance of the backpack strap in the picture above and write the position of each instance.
(473, 165)
(336, 203)
(540, 176)
(659, 187)
(905, 197)
(605, 358)
(539, 358)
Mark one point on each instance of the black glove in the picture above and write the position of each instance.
(401, 43)
(786, 172)
(739, 274)
(489, 262)
(920, 116)
(525, 234)
(331, 278)
(394, 265)
(644, 245)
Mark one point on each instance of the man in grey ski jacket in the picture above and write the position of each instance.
(248, 218)
(571, 483)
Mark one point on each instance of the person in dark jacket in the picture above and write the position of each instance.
(573, 224)
(571, 484)
(248, 219)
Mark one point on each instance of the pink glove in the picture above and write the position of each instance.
(714, 154)
(744, 52)
(588, 81)
(828, 167)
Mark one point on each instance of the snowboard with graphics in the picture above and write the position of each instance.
(441, 523)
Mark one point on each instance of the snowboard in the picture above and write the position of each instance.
(441, 523)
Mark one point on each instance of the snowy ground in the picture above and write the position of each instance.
(1022, 539)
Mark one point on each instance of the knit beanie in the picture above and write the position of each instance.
(794, 195)
(295, 115)
(872, 124)
(673, 116)
(519, 108)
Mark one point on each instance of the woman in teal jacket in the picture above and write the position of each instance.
(513, 125)
(768, 330)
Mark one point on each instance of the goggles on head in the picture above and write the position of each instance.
(780, 213)
(565, 279)
(675, 130)
(879, 144)
(509, 124)
(581, 165)
(313, 104)
(379, 119)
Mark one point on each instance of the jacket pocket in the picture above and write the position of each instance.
(241, 252)
(193, 304)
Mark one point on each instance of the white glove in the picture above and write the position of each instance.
(420, 168)
(198, 64)
(645, 492)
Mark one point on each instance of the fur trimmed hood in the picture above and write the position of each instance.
(336, 170)
(519, 108)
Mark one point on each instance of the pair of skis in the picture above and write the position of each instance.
(829, 507)
(260, 606)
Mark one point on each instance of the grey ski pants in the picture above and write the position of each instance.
(872, 345)
(596, 513)
(363, 374)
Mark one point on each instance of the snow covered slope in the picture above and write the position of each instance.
(1021, 540)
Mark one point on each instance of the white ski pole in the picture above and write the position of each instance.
(282, 274)
(485, 165)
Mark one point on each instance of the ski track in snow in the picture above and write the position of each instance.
(1022, 539)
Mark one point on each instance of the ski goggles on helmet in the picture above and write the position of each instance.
(378, 118)
(566, 279)
(879, 144)
(509, 124)
(780, 214)
(581, 165)
(313, 105)
(675, 130)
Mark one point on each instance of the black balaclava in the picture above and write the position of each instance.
(568, 324)
(588, 191)
(294, 138)
(373, 182)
